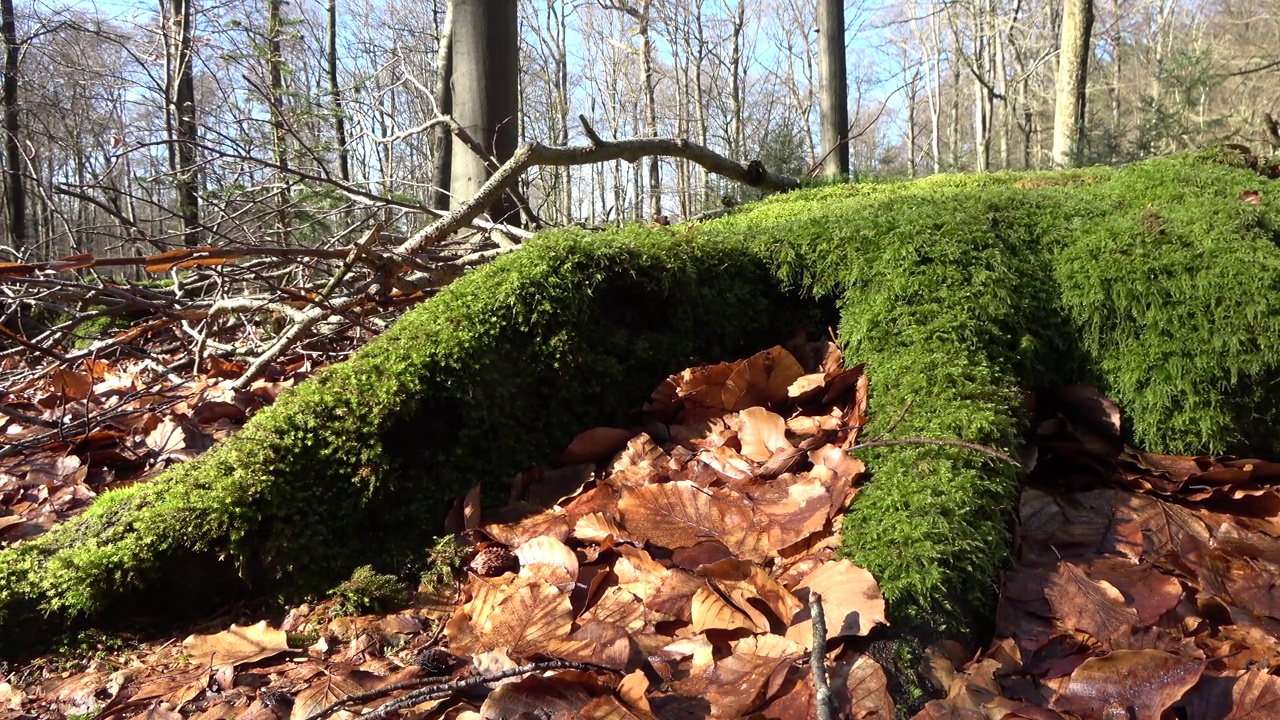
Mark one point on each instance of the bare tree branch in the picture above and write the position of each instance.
(751, 173)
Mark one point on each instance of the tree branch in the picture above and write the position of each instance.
(631, 150)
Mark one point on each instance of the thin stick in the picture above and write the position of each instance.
(930, 441)
(818, 657)
(428, 693)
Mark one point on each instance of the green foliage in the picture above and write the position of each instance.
(368, 591)
(444, 563)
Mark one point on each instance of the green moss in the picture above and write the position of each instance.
(1154, 281)
(369, 591)
(495, 374)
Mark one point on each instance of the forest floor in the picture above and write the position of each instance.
(675, 570)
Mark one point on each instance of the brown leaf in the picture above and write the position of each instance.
(557, 696)
(747, 586)
(157, 712)
(555, 562)
(1144, 682)
(851, 602)
(711, 612)
(682, 514)
(859, 683)
(1148, 591)
(321, 693)
(735, 684)
(762, 433)
(238, 645)
(803, 511)
(948, 710)
(1255, 696)
(523, 621)
(1091, 606)
(595, 445)
(633, 689)
(74, 385)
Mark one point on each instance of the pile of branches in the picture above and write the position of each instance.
(255, 303)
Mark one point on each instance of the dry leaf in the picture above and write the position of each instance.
(238, 645)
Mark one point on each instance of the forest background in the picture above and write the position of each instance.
(305, 122)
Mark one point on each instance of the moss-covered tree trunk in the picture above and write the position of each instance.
(1155, 281)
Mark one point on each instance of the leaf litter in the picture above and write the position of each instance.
(668, 568)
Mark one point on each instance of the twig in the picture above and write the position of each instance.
(428, 691)
(931, 441)
(29, 419)
(818, 657)
(385, 690)
(896, 422)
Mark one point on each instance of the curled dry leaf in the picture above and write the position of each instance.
(551, 559)
(595, 445)
(762, 433)
(711, 612)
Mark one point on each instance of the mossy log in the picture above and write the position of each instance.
(1156, 281)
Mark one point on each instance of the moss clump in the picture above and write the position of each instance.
(369, 591)
(1154, 281)
(495, 374)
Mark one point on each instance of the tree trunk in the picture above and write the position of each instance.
(182, 117)
(834, 107)
(275, 74)
(1073, 73)
(15, 188)
(335, 95)
(486, 46)
(739, 149)
(441, 142)
(913, 94)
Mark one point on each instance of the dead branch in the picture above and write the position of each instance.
(818, 658)
(751, 173)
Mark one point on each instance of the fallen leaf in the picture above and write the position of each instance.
(1143, 682)
(237, 645)
(851, 602)
(762, 433)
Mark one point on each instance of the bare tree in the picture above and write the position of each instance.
(441, 143)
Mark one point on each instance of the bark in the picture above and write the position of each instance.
(834, 99)
(485, 68)
(335, 95)
(15, 187)
(1073, 72)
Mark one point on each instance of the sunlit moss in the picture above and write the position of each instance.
(1155, 281)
